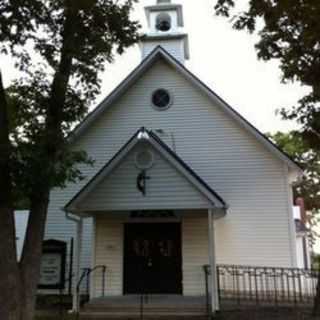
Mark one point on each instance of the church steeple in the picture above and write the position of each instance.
(165, 28)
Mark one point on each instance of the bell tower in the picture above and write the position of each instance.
(165, 29)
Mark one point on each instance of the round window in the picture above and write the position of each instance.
(144, 159)
(161, 99)
(163, 22)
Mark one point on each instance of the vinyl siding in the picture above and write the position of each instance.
(109, 252)
(195, 253)
(251, 180)
(174, 47)
(166, 188)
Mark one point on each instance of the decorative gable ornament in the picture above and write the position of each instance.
(143, 135)
(142, 179)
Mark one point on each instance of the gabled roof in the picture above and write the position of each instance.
(160, 53)
(150, 137)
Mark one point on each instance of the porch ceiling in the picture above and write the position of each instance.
(120, 185)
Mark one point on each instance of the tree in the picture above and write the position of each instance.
(60, 47)
(308, 186)
(299, 148)
(289, 31)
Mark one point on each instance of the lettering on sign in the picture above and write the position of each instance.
(50, 272)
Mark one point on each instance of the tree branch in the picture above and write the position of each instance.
(5, 184)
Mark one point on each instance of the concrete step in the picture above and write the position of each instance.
(101, 312)
(149, 309)
(128, 307)
(138, 307)
(136, 316)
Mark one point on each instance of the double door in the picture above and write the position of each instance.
(152, 258)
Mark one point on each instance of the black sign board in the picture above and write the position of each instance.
(53, 264)
(152, 214)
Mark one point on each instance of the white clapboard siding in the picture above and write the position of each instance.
(195, 252)
(249, 177)
(166, 188)
(175, 47)
(109, 252)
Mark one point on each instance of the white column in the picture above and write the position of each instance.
(76, 299)
(212, 262)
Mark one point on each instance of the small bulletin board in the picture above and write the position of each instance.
(53, 265)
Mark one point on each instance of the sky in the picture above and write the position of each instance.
(225, 59)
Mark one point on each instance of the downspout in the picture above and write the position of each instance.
(79, 226)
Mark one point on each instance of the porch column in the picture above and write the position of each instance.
(76, 298)
(212, 262)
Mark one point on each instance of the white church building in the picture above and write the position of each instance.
(180, 180)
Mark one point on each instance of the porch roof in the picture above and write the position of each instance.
(147, 136)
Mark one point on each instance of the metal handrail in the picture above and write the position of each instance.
(267, 285)
(207, 272)
(85, 275)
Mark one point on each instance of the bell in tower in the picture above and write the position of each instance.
(163, 22)
(165, 29)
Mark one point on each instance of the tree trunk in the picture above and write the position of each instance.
(9, 271)
(32, 252)
(18, 281)
(31, 256)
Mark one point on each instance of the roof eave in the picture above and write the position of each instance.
(215, 200)
(158, 53)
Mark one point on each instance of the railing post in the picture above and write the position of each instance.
(88, 282)
(103, 280)
(206, 275)
(218, 285)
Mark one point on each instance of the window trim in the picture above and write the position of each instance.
(151, 162)
(169, 103)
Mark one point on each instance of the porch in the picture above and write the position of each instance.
(158, 258)
(239, 288)
(153, 226)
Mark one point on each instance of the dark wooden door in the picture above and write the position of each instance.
(152, 258)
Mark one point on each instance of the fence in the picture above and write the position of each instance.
(267, 285)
